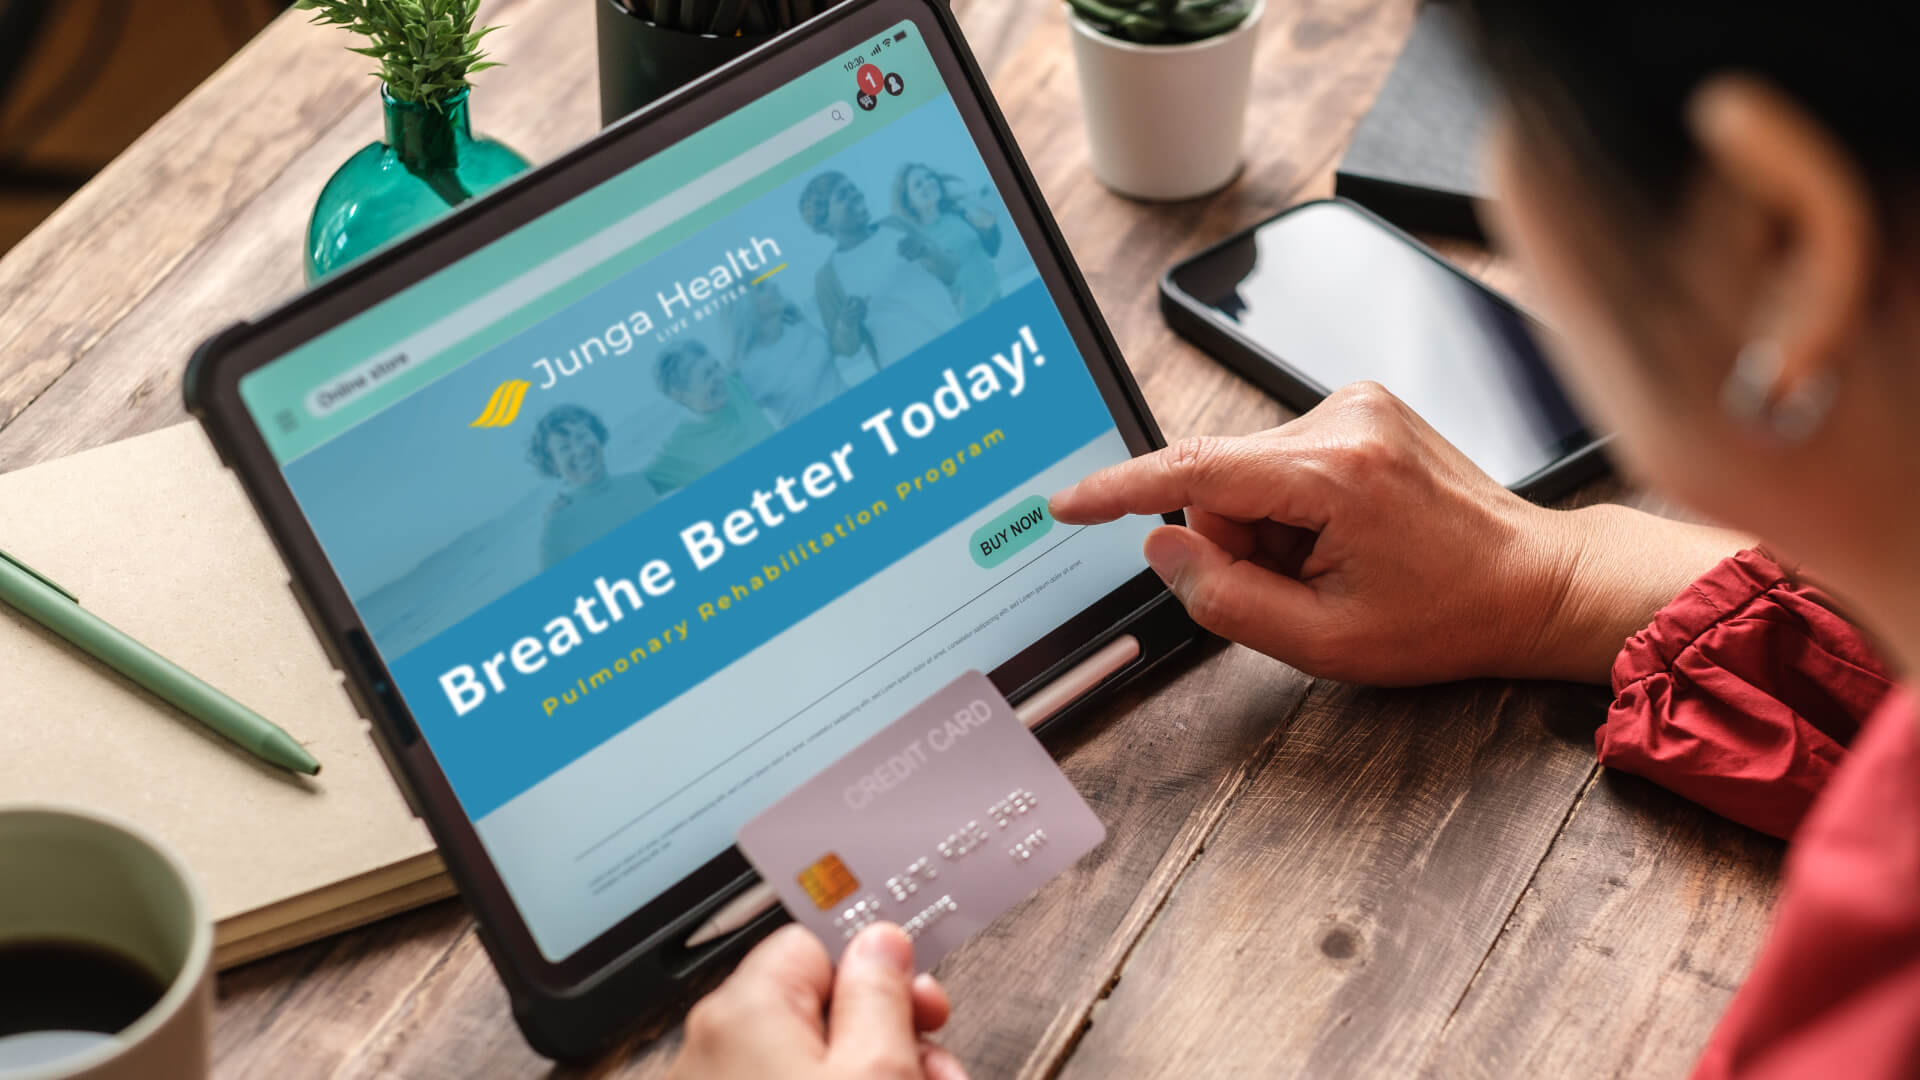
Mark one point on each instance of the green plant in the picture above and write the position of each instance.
(1163, 22)
(426, 48)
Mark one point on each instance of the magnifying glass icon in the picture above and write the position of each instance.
(839, 116)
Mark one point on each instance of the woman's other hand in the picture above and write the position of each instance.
(787, 1012)
(1357, 544)
(849, 324)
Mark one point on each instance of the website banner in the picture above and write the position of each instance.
(559, 665)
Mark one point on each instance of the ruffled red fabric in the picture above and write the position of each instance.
(1742, 695)
(1836, 990)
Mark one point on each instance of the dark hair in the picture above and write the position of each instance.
(558, 417)
(817, 198)
(675, 364)
(1609, 83)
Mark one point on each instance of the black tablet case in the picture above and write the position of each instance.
(644, 988)
(1416, 156)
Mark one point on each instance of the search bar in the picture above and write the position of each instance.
(563, 267)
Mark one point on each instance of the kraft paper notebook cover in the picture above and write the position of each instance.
(156, 538)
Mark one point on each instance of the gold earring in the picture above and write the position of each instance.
(1751, 394)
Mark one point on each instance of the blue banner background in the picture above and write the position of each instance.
(508, 744)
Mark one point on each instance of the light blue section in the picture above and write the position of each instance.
(604, 835)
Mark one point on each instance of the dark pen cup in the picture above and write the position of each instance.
(640, 63)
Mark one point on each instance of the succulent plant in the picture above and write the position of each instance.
(1163, 22)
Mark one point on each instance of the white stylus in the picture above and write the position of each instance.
(1050, 699)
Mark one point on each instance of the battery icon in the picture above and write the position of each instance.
(901, 36)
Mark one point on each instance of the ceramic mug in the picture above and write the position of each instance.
(75, 879)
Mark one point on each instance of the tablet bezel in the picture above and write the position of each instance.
(213, 396)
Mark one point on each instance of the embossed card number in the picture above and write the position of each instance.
(941, 821)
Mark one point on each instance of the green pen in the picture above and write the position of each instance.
(39, 599)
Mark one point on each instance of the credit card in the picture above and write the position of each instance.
(947, 817)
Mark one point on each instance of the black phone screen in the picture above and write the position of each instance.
(1324, 295)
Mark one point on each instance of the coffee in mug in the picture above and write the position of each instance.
(105, 952)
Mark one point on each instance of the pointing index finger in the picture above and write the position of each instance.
(1218, 474)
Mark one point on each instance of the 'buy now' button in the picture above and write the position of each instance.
(1008, 534)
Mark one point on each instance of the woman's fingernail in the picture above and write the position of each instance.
(883, 944)
(1168, 554)
(938, 1063)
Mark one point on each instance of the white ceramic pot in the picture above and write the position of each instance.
(1166, 121)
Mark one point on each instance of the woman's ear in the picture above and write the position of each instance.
(1799, 192)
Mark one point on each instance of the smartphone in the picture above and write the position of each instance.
(1327, 293)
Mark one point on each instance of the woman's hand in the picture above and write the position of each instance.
(853, 314)
(1357, 544)
(786, 1012)
(845, 335)
(913, 247)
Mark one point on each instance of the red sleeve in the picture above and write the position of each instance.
(1742, 694)
(1836, 991)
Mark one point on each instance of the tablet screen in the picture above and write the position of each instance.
(660, 502)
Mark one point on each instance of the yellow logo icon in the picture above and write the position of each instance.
(504, 405)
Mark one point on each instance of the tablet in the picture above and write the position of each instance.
(635, 493)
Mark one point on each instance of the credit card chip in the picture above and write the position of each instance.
(828, 881)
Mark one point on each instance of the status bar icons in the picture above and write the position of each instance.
(872, 81)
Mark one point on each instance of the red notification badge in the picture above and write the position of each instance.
(870, 79)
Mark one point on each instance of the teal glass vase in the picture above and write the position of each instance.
(429, 163)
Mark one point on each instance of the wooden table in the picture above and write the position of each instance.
(1300, 878)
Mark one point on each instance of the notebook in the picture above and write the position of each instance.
(155, 537)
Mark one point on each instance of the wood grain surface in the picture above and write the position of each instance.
(1301, 879)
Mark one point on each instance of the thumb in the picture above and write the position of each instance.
(870, 1021)
(1234, 598)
